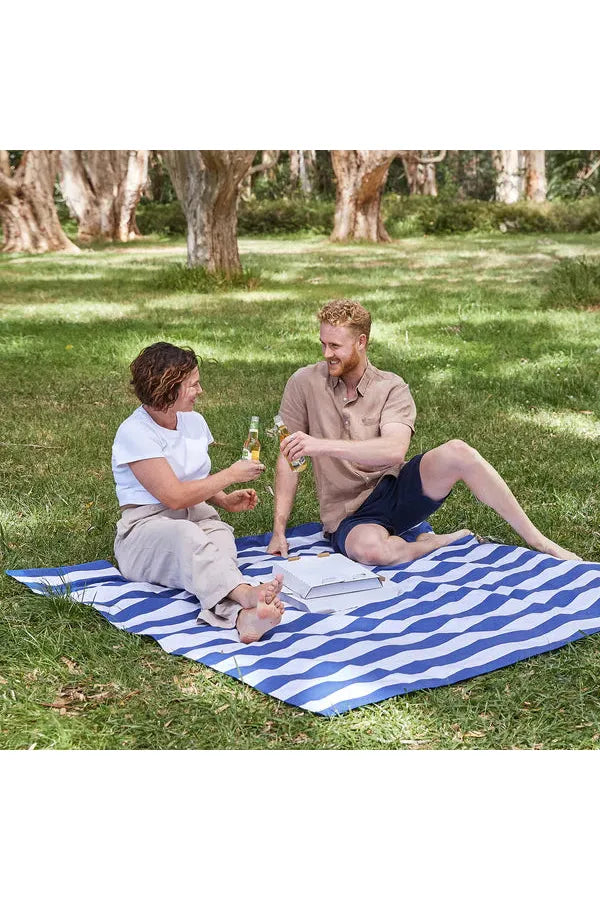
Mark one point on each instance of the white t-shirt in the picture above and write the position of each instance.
(140, 437)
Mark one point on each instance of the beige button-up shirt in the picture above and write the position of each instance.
(316, 403)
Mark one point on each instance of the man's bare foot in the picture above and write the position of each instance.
(248, 595)
(252, 623)
(556, 550)
(435, 541)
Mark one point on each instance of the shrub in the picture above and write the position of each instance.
(402, 216)
(285, 216)
(573, 283)
(161, 218)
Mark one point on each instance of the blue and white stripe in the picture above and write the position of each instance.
(461, 611)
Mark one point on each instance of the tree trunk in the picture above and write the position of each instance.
(246, 188)
(102, 189)
(294, 168)
(269, 161)
(207, 183)
(360, 177)
(535, 175)
(302, 169)
(307, 170)
(27, 212)
(509, 177)
(420, 176)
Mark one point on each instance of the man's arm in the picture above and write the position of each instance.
(387, 450)
(286, 485)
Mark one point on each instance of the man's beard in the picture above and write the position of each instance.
(348, 365)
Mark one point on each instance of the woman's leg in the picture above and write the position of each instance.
(200, 557)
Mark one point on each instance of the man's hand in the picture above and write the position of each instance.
(278, 545)
(301, 444)
(239, 501)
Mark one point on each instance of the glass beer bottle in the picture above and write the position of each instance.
(298, 465)
(251, 448)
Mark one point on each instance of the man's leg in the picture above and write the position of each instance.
(372, 545)
(456, 461)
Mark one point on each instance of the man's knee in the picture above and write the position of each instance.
(368, 550)
(459, 454)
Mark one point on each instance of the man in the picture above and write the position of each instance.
(356, 423)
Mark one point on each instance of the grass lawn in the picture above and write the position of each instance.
(460, 318)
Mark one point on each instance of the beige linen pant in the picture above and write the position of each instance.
(182, 548)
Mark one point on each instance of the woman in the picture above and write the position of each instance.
(168, 532)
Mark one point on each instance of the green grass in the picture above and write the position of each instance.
(460, 318)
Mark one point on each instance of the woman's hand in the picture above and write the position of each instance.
(239, 501)
(245, 470)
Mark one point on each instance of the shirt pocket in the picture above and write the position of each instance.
(367, 427)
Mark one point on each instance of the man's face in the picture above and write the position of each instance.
(343, 350)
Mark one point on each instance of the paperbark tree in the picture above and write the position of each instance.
(270, 158)
(207, 184)
(535, 175)
(360, 177)
(509, 175)
(419, 166)
(302, 167)
(102, 189)
(27, 211)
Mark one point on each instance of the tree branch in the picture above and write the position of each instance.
(591, 171)
(433, 159)
(254, 170)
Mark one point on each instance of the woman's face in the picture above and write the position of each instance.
(189, 391)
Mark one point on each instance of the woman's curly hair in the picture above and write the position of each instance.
(158, 371)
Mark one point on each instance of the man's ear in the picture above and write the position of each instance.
(362, 341)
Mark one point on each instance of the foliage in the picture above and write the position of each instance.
(462, 174)
(275, 184)
(430, 215)
(403, 216)
(566, 170)
(285, 216)
(160, 187)
(457, 316)
(573, 282)
(161, 218)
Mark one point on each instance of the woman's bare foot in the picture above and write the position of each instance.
(435, 541)
(253, 622)
(248, 595)
(556, 550)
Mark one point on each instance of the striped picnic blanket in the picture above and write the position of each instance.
(460, 611)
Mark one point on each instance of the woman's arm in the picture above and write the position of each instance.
(159, 479)
(235, 501)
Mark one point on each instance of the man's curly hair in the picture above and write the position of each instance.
(158, 371)
(346, 312)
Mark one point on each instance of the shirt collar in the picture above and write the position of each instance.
(362, 385)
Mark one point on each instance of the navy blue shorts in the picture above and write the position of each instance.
(397, 503)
